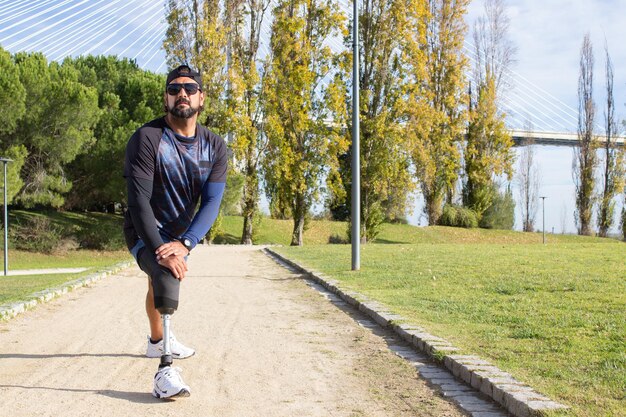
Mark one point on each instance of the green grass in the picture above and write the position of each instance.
(320, 232)
(17, 288)
(279, 231)
(91, 230)
(554, 316)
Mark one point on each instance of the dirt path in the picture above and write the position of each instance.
(267, 345)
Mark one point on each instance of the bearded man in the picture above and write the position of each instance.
(171, 163)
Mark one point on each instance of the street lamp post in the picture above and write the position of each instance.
(5, 161)
(356, 168)
(543, 212)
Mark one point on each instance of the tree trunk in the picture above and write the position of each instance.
(299, 212)
(250, 197)
(246, 236)
(433, 208)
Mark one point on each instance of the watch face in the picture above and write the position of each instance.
(187, 243)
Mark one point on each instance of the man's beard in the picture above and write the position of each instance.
(183, 113)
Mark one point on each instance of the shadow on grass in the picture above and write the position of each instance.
(390, 242)
(227, 239)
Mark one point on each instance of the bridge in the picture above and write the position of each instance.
(523, 137)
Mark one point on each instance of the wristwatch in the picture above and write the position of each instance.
(186, 243)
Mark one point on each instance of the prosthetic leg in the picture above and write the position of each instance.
(166, 288)
(166, 358)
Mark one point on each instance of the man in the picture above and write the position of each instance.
(171, 163)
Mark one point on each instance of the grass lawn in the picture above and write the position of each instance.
(321, 231)
(16, 288)
(554, 316)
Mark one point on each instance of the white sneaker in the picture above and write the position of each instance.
(168, 384)
(179, 351)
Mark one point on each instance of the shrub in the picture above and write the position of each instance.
(101, 239)
(458, 216)
(501, 213)
(337, 239)
(35, 234)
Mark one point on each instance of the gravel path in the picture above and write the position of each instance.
(267, 345)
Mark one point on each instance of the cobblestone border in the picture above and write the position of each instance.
(517, 398)
(8, 311)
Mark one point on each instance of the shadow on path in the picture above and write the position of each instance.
(68, 355)
(135, 397)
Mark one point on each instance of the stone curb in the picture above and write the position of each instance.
(8, 311)
(517, 398)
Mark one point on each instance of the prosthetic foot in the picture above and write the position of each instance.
(167, 382)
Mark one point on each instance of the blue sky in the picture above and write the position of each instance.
(547, 33)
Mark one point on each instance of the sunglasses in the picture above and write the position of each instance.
(190, 88)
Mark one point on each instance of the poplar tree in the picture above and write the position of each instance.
(436, 117)
(487, 150)
(197, 35)
(528, 180)
(613, 172)
(244, 102)
(585, 158)
(299, 142)
(386, 182)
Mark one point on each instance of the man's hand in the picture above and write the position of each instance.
(174, 248)
(176, 264)
(172, 256)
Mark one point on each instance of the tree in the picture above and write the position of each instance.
(488, 144)
(385, 158)
(585, 159)
(501, 212)
(244, 103)
(613, 172)
(11, 91)
(57, 127)
(494, 51)
(487, 150)
(197, 34)
(436, 118)
(295, 106)
(128, 97)
(528, 181)
(623, 221)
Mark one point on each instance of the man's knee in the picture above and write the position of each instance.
(165, 287)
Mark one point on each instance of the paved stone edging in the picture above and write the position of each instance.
(517, 398)
(8, 311)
